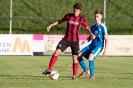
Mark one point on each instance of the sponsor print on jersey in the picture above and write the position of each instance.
(73, 22)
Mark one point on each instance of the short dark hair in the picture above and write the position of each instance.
(77, 6)
(99, 12)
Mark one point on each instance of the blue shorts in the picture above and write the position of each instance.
(86, 51)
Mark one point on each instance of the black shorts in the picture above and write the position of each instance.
(64, 44)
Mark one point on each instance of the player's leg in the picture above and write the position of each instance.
(82, 63)
(54, 59)
(75, 49)
(94, 53)
(62, 45)
(84, 52)
(75, 66)
(91, 65)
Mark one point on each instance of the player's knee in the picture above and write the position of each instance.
(91, 56)
(80, 55)
(57, 52)
(75, 59)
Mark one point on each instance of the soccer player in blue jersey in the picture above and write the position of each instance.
(93, 50)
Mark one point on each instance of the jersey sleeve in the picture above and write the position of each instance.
(84, 23)
(65, 17)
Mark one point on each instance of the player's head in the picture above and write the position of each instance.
(77, 9)
(98, 16)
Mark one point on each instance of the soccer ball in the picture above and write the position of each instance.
(54, 75)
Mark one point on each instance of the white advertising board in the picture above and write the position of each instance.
(16, 44)
(119, 45)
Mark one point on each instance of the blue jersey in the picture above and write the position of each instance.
(99, 31)
(97, 44)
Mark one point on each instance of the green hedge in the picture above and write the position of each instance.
(33, 16)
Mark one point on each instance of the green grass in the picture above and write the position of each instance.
(33, 16)
(25, 72)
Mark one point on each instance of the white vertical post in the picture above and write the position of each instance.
(105, 12)
(10, 16)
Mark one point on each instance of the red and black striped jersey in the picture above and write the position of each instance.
(73, 26)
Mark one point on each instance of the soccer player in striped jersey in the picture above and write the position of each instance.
(71, 38)
(95, 47)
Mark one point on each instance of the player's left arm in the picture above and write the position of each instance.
(106, 46)
(85, 24)
(89, 38)
(91, 34)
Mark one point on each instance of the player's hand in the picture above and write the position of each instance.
(83, 42)
(104, 54)
(93, 36)
(48, 28)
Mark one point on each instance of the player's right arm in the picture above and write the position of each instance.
(53, 24)
(57, 22)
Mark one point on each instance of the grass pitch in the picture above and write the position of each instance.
(26, 72)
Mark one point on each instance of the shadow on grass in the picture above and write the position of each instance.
(31, 77)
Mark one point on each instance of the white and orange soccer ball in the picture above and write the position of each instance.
(54, 75)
